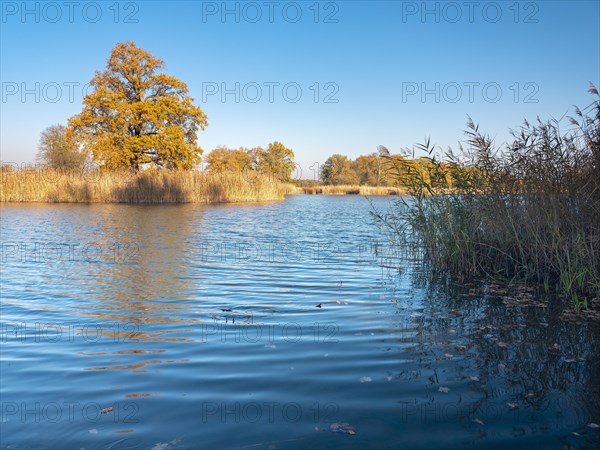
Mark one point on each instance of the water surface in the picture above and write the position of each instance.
(200, 327)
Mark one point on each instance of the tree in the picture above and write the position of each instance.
(58, 150)
(277, 161)
(135, 116)
(371, 169)
(223, 159)
(338, 170)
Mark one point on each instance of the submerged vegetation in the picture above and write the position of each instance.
(529, 211)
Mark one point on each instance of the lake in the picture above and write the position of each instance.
(281, 325)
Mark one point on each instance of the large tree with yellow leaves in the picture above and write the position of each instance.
(135, 116)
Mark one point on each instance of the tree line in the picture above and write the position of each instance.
(137, 117)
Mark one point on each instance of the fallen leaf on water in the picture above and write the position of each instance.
(106, 410)
(444, 389)
(512, 405)
(593, 425)
(145, 394)
(128, 430)
(479, 421)
(461, 347)
(343, 427)
(365, 379)
(166, 445)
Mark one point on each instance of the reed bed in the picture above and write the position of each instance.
(153, 186)
(352, 190)
(528, 212)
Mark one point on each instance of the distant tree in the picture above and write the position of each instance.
(58, 150)
(223, 159)
(371, 169)
(338, 170)
(136, 116)
(277, 161)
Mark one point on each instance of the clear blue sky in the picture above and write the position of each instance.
(374, 54)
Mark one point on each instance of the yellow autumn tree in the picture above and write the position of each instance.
(223, 159)
(135, 116)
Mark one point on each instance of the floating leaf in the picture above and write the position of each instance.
(513, 405)
(593, 425)
(479, 421)
(343, 427)
(106, 410)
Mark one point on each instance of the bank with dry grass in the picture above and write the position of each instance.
(50, 185)
(351, 190)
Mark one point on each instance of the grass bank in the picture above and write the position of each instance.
(528, 211)
(49, 185)
(351, 190)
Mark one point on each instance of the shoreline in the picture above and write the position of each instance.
(161, 187)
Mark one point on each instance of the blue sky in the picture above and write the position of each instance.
(370, 60)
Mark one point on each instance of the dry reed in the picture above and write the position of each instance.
(156, 186)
